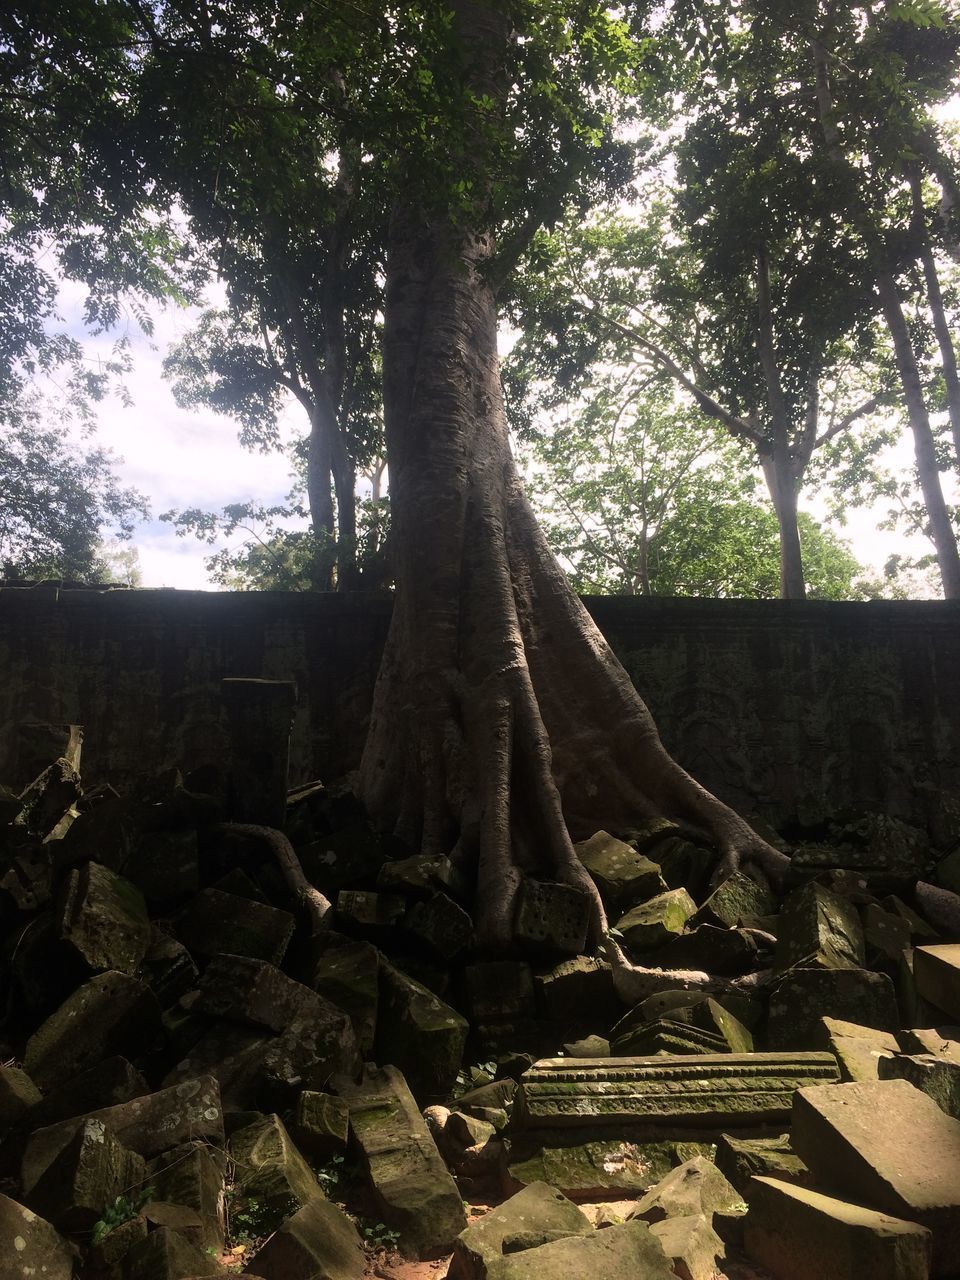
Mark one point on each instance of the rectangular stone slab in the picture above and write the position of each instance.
(799, 1234)
(728, 1089)
(936, 971)
(415, 1193)
(888, 1146)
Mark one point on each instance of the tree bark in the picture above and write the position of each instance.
(320, 502)
(948, 357)
(503, 726)
(941, 529)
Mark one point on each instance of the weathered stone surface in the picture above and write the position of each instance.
(943, 1042)
(920, 930)
(551, 918)
(819, 929)
(268, 1165)
(241, 988)
(215, 923)
(104, 919)
(419, 1034)
(111, 1013)
(352, 854)
(117, 1243)
(886, 934)
(596, 1170)
(946, 873)
(666, 1035)
(725, 1090)
(109, 1082)
(168, 968)
(233, 1056)
(499, 990)
(652, 923)
(319, 1242)
(193, 1175)
(442, 926)
(622, 876)
(165, 1254)
(415, 1194)
(709, 947)
(44, 802)
(588, 1047)
(695, 1187)
(858, 1049)
(18, 1096)
(86, 1176)
(348, 976)
(800, 1234)
(538, 1207)
(937, 1077)
(259, 716)
(27, 881)
(803, 996)
(367, 913)
(421, 875)
(623, 1252)
(740, 1159)
(936, 971)
(738, 898)
(148, 1125)
(691, 1245)
(164, 865)
(684, 865)
(890, 1147)
(321, 1124)
(578, 991)
(30, 1247)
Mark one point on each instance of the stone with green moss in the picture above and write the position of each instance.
(740, 1159)
(692, 1245)
(32, 1247)
(419, 1034)
(348, 976)
(321, 1125)
(193, 1175)
(736, 899)
(165, 1254)
(623, 876)
(538, 1207)
(598, 1169)
(819, 928)
(652, 923)
(414, 1192)
(623, 1252)
(803, 996)
(86, 1176)
(103, 918)
(268, 1166)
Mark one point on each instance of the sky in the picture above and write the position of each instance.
(181, 458)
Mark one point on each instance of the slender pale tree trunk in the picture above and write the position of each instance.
(320, 502)
(938, 315)
(777, 463)
(941, 528)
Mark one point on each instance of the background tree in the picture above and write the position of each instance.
(58, 500)
(638, 496)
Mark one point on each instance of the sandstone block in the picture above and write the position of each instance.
(890, 1147)
(800, 1234)
(85, 1177)
(724, 1090)
(819, 929)
(552, 918)
(168, 969)
(499, 990)
(858, 1050)
(737, 899)
(937, 1077)
(803, 996)
(936, 971)
(215, 923)
(111, 1013)
(578, 991)
(740, 1159)
(103, 917)
(537, 1208)
(32, 1247)
(419, 1034)
(165, 1254)
(321, 1124)
(691, 1245)
(192, 1175)
(622, 876)
(440, 925)
(696, 1187)
(269, 1167)
(414, 1192)
(18, 1095)
(112, 1081)
(348, 976)
(318, 1242)
(623, 1252)
(652, 923)
(595, 1170)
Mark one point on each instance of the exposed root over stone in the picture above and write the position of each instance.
(315, 906)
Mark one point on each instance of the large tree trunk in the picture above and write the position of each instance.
(503, 726)
(320, 501)
(941, 529)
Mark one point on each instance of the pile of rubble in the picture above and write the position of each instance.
(198, 1078)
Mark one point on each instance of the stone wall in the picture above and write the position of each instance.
(783, 707)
